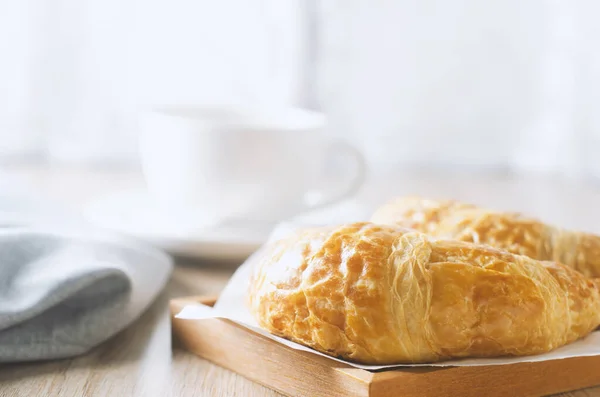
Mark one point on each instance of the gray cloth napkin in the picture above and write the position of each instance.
(62, 293)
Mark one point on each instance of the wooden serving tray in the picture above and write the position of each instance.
(297, 373)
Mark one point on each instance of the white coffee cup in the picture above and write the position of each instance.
(226, 161)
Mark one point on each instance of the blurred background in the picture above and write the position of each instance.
(505, 84)
(505, 87)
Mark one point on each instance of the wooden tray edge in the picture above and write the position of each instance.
(282, 368)
(524, 379)
(176, 305)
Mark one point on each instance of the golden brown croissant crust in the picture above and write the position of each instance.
(387, 295)
(509, 231)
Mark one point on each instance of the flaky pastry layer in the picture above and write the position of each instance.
(388, 295)
(508, 231)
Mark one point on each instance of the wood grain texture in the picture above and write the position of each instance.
(141, 361)
(286, 370)
(296, 373)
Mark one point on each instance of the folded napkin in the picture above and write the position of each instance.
(64, 292)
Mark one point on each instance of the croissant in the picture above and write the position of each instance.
(378, 294)
(512, 232)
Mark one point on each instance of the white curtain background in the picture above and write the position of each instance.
(76, 72)
(498, 84)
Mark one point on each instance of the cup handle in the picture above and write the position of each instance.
(317, 199)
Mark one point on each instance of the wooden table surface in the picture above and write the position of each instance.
(142, 361)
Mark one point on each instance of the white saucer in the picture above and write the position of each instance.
(180, 232)
(135, 214)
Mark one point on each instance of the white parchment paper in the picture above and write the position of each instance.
(231, 306)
